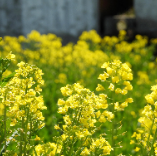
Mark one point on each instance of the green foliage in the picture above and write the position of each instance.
(80, 63)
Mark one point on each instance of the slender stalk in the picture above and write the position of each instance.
(142, 149)
(1, 69)
(113, 124)
(5, 129)
(21, 137)
(78, 151)
(30, 132)
(150, 133)
(26, 130)
(112, 134)
(35, 152)
(5, 125)
(71, 149)
(154, 138)
(26, 123)
(72, 146)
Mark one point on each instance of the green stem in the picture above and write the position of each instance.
(112, 137)
(21, 136)
(79, 149)
(26, 123)
(142, 149)
(26, 130)
(154, 138)
(150, 133)
(5, 129)
(71, 149)
(113, 126)
(30, 130)
(1, 69)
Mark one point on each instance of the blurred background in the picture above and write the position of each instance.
(69, 18)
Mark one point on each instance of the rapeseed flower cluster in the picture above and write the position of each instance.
(90, 36)
(25, 89)
(115, 81)
(21, 107)
(145, 136)
(118, 76)
(82, 110)
(85, 113)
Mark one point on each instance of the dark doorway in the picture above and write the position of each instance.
(111, 8)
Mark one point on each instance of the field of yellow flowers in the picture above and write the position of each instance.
(96, 97)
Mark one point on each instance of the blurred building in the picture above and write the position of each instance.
(61, 17)
(146, 17)
(71, 17)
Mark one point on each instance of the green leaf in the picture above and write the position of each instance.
(5, 64)
(7, 79)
